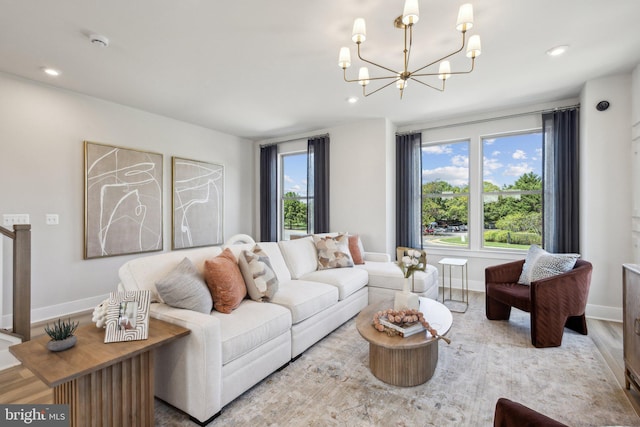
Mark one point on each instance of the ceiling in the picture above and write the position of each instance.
(267, 69)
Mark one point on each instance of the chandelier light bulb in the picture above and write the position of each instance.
(474, 48)
(444, 72)
(363, 76)
(465, 17)
(401, 84)
(411, 14)
(359, 30)
(344, 61)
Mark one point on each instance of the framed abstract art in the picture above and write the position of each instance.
(122, 201)
(198, 196)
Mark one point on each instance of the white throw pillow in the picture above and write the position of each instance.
(541, 264)
(258, 274)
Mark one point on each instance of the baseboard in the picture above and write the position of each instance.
(42, 314)
(602, 312)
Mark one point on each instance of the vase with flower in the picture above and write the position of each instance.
(413, 260)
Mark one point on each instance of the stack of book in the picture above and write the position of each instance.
(405, 330)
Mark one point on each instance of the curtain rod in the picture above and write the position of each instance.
(491, 119)
(294, 139)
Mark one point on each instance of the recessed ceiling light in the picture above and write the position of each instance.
(51, 72)
(558, 50)
(352, 99)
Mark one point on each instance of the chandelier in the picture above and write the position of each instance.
(402, 76)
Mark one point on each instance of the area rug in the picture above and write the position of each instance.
(331, 385)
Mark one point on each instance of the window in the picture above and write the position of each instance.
(512, 190)
(445, 194)
(294, 200)
(482, 185)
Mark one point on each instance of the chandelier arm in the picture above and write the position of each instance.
(473, 61)
(427, 84)
(370, 78)
(373, 63)
(444, 57)
(379, 89)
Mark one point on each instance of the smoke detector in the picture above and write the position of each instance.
(98, 40)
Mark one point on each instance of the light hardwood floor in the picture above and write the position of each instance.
(19, 385)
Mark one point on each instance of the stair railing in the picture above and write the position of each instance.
(21, 236)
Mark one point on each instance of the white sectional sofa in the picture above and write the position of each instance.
(226, 354)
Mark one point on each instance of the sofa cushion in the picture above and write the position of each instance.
(300, 255)
(258, 275)
(388, 275)
(333, 252)
(347, 280)
(304, 298)
(225, 281)
(540, 264)
(249, 326)
(184, 287)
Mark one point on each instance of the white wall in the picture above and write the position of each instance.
(42, 130)
(362, 186)
(605, 190)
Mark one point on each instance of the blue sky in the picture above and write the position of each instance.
(505, 159)
(295, 173)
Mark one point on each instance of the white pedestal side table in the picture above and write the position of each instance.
(464, 278)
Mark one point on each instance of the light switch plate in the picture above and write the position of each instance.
(9, 220)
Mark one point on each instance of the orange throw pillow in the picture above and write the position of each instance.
(354, 248)
(225, 282)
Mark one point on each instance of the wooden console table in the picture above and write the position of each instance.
(104, 384)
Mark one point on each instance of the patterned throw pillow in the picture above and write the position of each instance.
(541, 264)
(183, 287)
(333, 252)
(258, 274)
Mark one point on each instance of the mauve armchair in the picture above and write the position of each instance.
(553, 303)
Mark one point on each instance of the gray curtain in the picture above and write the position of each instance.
(561, 178)
(318, 185)
(269, 193)
(408, 190)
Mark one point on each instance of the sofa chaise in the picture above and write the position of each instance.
(226, 354)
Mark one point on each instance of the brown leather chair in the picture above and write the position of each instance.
(554, 302)
(513, 414)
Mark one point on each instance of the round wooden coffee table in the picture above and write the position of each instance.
(402, 361)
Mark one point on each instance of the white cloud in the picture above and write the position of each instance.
(287, 178)
(437, 149)
(452, 174)
(491, 165)
(460, 160)
(295, 188)
(517, 170)
(489, 141)
(495, 153)
(519, 155)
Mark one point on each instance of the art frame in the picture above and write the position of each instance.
(197, 203)
(123, 201)
(127, 316)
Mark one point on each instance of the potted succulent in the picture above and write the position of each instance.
(61, 334)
